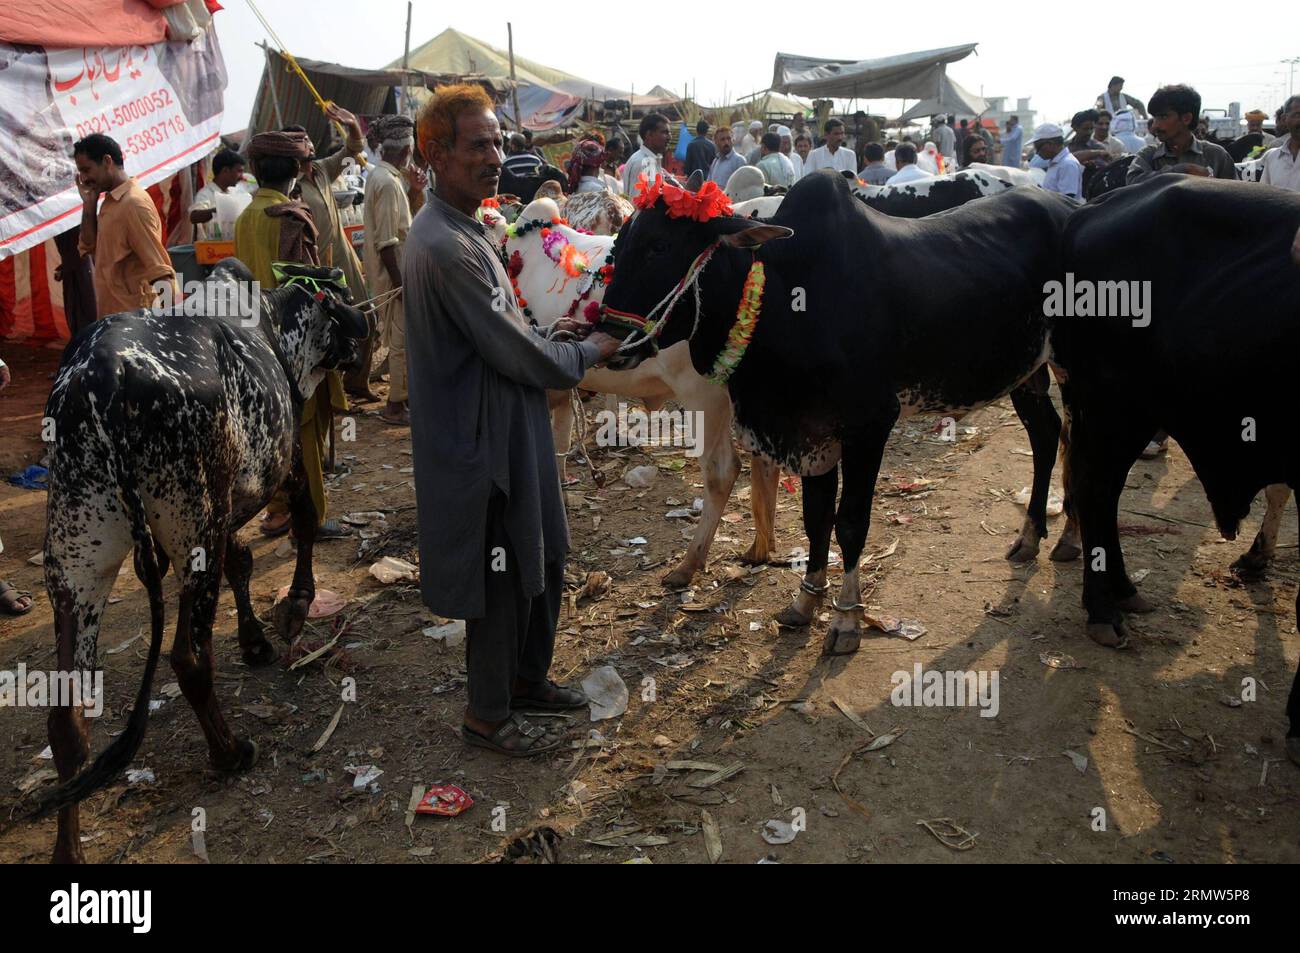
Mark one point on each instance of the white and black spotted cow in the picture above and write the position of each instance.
(917, 198)
(170, 432)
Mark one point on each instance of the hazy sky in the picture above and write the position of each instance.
(1060, 54)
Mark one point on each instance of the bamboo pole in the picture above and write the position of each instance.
(406, 61)
(514, 85)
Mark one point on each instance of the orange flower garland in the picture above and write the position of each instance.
(751, 303)
(709, 202)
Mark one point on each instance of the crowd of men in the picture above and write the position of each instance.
(1175, 138)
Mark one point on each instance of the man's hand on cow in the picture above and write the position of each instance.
(1189, 169)
(4, 376)
(607, 344)
(579, 329)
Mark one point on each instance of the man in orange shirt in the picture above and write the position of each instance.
(125, 237)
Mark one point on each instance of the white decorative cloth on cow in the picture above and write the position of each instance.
(909, 173)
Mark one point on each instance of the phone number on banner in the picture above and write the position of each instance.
(128, 113)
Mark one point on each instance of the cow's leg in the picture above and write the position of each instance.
(84, 548)
(192, 658)
(1256, 559)
(253, 644)
(1069, 546)
(818, 520)
(764, 478)
(561, 404)
(721, 465)
(1293, 708)
(68, 733)
(291, 614)
(1100, 463)
(1034, 407)
(861, 466)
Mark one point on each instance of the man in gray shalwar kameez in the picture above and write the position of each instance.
(493, 533)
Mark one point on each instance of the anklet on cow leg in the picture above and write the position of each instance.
(792, 617)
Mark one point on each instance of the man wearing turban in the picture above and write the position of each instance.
(387, 214)
(275, 228)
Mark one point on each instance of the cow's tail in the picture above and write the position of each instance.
(114, 759)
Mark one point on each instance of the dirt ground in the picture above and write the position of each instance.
(1181, 776)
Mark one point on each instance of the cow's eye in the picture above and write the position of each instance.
(658, 247)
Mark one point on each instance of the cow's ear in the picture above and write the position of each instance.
(752, 234)
(695, 182)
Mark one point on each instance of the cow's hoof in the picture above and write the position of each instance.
(259, 654)
(841, 642)
(1111, 636)
(1137, 603)
(1065, 551)
(1293, 749)
(289, 616)
(1250, 564)
(244, 757)
(756, 555)
(1023, 550)
(679, 578)
(791, 618)
(74, 855)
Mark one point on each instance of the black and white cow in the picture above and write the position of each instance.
(918, 198)
(922, 197)
(841, 351)
(1214, 367)
(170, 432)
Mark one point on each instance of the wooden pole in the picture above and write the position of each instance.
(270, 78)
(406, 59)
(514, 85)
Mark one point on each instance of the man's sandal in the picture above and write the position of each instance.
(515, 738)
(11, 600)
(271, 525)
(551, 697)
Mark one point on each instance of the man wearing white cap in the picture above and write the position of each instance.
(1064, 173)
(750, 140)
(787, 150)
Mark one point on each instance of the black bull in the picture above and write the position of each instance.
(865, 318)
(1214, 368)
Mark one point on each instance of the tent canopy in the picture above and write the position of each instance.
(363, 91)
(953, 99)
(454, 52)
(770, 101)
(904, 76)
